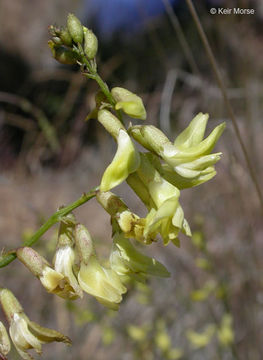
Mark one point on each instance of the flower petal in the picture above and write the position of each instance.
(125, 162)
(194, 133)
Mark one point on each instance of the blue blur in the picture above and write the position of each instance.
(122, 16)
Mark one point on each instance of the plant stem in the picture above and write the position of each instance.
(95, 76)
(104, 87)
(8, 258)
(222, 87)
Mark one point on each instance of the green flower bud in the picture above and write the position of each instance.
(125, 162)
(90, 44)
(126, 260)
(75, 28)
(84, 243)
(5, 345)
(62, 54)
(24, 333)
(53, 30)
(129, 102)
(57, 40)
(65, 37)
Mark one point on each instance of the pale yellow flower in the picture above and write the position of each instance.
(5, 345)
(101, 282)
(125, 162)
(125, 259)
(25, 333)
(129, 102)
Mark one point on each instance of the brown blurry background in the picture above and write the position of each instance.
(41, 170)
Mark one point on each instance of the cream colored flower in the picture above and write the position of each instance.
(5, 345)
(52, 280)
(167, 217)
(64, 262)
(189, 156)
(126, 260)
(129, 223)
(101, 282)
(24, 333)
(168, 220)
(65, 256)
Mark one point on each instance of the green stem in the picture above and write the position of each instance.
(95, 76)
(56, 217)
(104, 87)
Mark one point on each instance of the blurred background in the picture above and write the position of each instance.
(211, 307)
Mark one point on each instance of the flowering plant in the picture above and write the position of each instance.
(157, 175)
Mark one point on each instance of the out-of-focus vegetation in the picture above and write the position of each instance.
(211, 307)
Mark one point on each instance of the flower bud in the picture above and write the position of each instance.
(62, 54)
(90, 44)
(125, 162)
(24, 333)
(84, 243)
(57, 40)
(65, 37)
(39, 267)
(5, 345)
(75, 28)
(129, 102)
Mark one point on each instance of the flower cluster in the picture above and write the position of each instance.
(25, 334)
(157, 176)
(77, 269)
